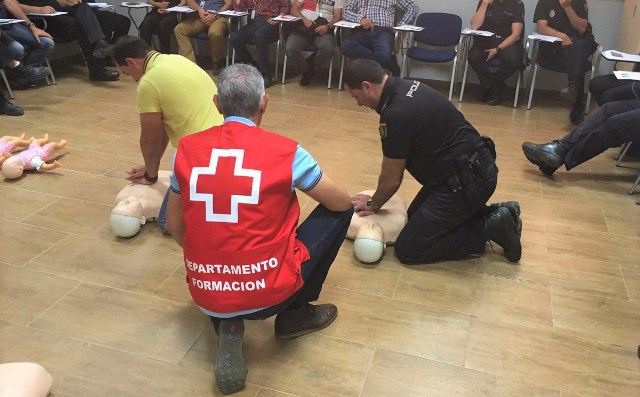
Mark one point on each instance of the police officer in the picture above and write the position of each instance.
(569, 20)
(505, 18)
(424, 133)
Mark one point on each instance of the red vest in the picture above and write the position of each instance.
(240, 246)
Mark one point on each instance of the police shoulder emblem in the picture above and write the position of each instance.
(552, 13)
(383, 130)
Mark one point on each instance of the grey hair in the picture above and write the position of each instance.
(240, 90)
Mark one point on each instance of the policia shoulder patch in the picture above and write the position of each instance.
(382, 128)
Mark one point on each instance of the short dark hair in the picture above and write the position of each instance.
(129, 47)
(363, 70)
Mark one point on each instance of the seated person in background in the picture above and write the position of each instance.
(80, 23)
(161, 22)
(607, 88)
(261, 30)
(610, 126)
(203, 21)
(291, 262)
(569, 20)
(113, 25)
(505, 18)
(30, 45)
(374, 38)
(315, 27)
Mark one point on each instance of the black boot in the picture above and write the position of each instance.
(8, 108)
(548, 156)
(514, 208)
(500, 227)
(495, 97)
(577, 113)
(101, 49)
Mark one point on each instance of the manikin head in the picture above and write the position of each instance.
(127, 217)
(12, 168)
(369, 243)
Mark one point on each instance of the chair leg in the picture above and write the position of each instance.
(341, 72)
(53, 78)
(453, 77)
(515, 99)
(275, 73)
(533, 83)
(464, 81)
(330, 73)
(404, 62)
(284, 68)
(623, 152)
(6, 82)
(635, 184)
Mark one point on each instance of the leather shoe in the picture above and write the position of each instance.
(103, 74)
(102, 49)
(8, 108)
(514, 208)
(548, 156)
(570, 93)
(293, 323)
(27, 74)
(307, 76)
(494, 98)
(230, 369)
(268, 81)
(500, 227)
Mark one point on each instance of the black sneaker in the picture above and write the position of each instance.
(293, 323)
(500, 227)
(570, 93)
(514, 208)
(101, 49)
(307, 76)
(27, 74)
(230, 370)
(494, 98)
(548, 156)
(576, 116)
(8, 108)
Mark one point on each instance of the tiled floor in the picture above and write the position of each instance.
(113, 317)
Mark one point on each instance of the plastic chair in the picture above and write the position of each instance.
(440, 30)
(6, 83)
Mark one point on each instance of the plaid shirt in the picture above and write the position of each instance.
(380, 12)
(264, 8)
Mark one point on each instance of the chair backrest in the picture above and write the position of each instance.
(440, 29)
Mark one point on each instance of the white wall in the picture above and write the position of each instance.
(604, 15)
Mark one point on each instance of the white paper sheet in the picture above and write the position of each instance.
(345, 24)
(285, 18)
(623, 75)
(475, 32)
(542, 37)
(9, 21)
(613, 55)
(99, 5)
(409, 28)
(229, 13)
(53, 14)
(181, 9)
(133, 4)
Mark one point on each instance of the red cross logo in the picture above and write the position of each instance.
(237, 179)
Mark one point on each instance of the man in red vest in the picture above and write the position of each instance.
(233, 208)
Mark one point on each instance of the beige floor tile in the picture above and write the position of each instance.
(563, 271)
(175, 287)
(17, 204)
(377, 279)
(138, 324)
(21, 243)
(475, 294)
(403, 327)
(136, 269)
(313, 365)
(88, 161)
(273, 393)
(67, 183)
(574, 365)
(623, 220)
(593, 245)
(599, 319)
(75, 216)
(151, 237)
(26, 293)
(397, 374)
(631, 275)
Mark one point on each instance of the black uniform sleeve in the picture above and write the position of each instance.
(542, 11)
(518, 12)
(397, 143)
(581, 8)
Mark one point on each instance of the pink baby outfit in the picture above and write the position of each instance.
(35, 156)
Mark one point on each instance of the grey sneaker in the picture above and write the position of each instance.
(231, 371)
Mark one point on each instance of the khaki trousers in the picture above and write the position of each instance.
(191, 27)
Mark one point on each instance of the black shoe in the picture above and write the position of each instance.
(307, 76)
(494, 98)
(216, 68)
(103, 74)
(101, 49)
(484, 95)
(27, 74)
(514, 208)
(570, 93)
(8, 108)
(268, 81)
(577, 113)
(230, 370)
(548, 156)
(500, 227)
(293, 323)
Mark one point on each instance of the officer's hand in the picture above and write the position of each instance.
(566, 41)
(366, 24)
(491, 53)
(565, 3)
(359, 202)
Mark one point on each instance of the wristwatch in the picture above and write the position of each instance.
(150, 179)
(498, 49)
(370, 205)
(30, 24)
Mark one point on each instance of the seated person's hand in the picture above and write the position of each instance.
(207, 18)
(163, 5)
(37, 32)
(366, 23)
(272, 22)
(565, 3)
(491, 53)
(46, 10)
(307, 22)
(68, 3)
(566, 41)
(322, 29)
(488, 2)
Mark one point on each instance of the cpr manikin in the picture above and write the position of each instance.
(136, 204)
(24, 380)
(34, 157)
(10, 143)
(372, 233)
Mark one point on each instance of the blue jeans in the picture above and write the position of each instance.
(162, 215)
(258, 32)
(376, 45)
(24, 46)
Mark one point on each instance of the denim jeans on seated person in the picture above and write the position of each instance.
(24, 46)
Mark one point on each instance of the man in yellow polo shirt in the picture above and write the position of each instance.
(175, 99)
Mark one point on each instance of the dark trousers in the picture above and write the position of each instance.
(493, 77)
(87, 22)
(572, 60)
(610, 126)
(322, 233)
(160, 24)
(113, 25)
(447, 225)
(376, 45)
(607, 88)
(65, 29)
(5, 52)
(259, 32)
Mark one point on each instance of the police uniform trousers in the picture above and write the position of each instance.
(610, 126)
(113, 25)
(445, 224)
(510, 62)
(607, 88)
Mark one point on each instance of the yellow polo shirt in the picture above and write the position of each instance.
(181, 91)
